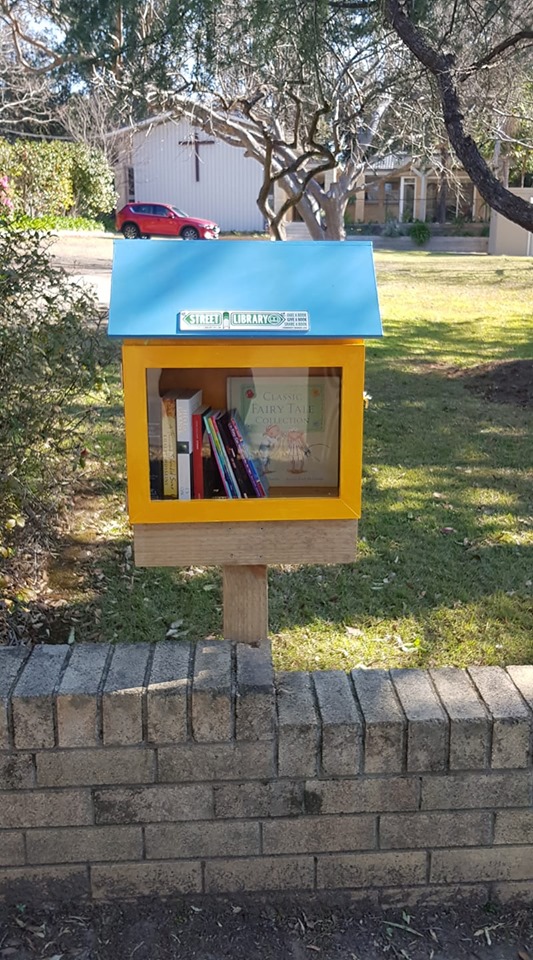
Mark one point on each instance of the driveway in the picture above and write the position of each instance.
(88, 258)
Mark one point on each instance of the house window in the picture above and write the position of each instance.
(131, 183)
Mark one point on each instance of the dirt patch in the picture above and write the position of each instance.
(510, 381)
(292, 928)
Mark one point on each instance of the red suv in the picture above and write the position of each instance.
(159, 219)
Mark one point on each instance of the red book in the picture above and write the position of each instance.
(198, 428)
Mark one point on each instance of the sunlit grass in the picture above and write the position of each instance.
(445, 563)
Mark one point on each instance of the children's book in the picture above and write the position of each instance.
(238, 431)
(292, 426)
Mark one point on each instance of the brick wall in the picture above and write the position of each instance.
(177, 769)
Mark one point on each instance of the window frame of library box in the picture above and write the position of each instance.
(344, 356)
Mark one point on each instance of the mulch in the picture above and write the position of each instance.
(509, 381)
(259, 928)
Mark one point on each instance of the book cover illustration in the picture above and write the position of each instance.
(292, 425)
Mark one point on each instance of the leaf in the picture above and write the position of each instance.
(447, 530)
(72, 636)
(523, 955)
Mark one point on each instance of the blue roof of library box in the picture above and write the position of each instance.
(243, 288)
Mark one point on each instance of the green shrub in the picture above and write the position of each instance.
(419, 233)
(51, 357)
(53, 179)
(22, 222)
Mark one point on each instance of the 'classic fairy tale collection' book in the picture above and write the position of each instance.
(292, 426)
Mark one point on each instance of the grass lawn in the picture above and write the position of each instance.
(445, 568)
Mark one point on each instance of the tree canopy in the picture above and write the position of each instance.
(331, 80)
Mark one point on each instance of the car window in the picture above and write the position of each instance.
(159, 211)
(180, 213)
(145, 208)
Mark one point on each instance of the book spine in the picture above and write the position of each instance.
(224, 456)
(216, 454)
(185, 476)
(197, 459)
(249, 461)
(168, 439)
(252, 479)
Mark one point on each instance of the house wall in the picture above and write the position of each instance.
(508, 238)
(163, 158)
(177, 769)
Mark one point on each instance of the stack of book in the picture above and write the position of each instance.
(205, 453)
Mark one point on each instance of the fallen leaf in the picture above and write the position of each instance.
(448, 530)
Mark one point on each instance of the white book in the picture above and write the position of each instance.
(186, 403)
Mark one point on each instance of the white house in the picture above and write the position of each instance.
(169, 161)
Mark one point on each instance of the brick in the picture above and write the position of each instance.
(298, 728)
(255, 705)
(11, 848)
(513, 826)
(341, 724)
(132, 880)
(38, 885)
(361, 796)
(220, 761)
(153, 804)
(513, 893)
(414, 830)
(11, 662)
(188, 840)
(123, 693)
(77, 700)
(83, 844)
(522, 677)
(17, 771)
(314, 834)
(511, 727)
(470, 726)
(427, 724)
(268, 799)
(265, 873)
(167, 693)
(211, 692)
(370, 869)
(471, 864)
(33, 697)
(476, 894)
(44, 808)
(385, 724)
(468, 791)
(102, 765)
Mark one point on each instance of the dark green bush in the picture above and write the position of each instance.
(419, 233)
(51, 356)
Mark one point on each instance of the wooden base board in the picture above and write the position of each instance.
(245, 592)
(249, 544)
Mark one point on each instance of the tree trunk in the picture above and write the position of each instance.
(441, 66)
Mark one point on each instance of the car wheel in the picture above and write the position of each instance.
(131, 231)
(189, 233)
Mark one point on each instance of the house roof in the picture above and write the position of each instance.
(243, 288)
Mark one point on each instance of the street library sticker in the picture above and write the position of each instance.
(264, 320)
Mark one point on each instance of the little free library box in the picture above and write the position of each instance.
(243, 368)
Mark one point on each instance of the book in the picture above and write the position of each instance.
(292, 426)
(186, 403)
(252, 467)
(168, 444)
(155, 439)
(228, 479)
(198, 455)
(244, 482)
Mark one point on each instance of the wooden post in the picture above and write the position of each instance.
(245, 601)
